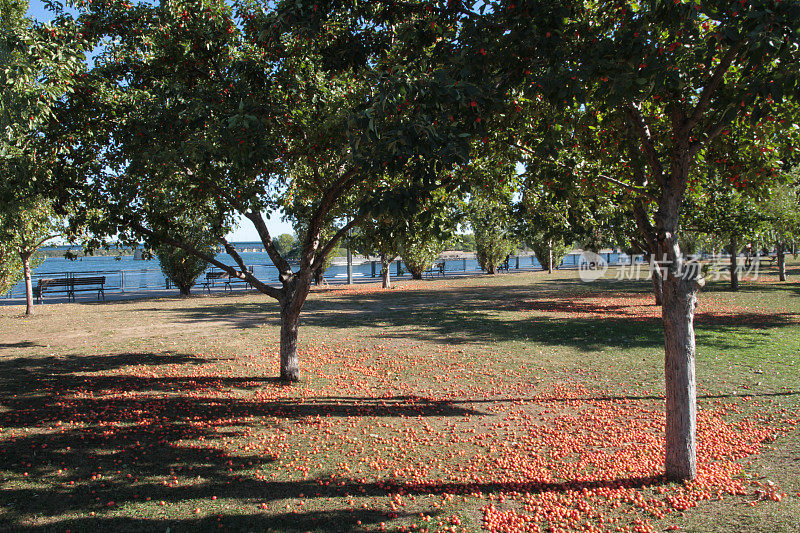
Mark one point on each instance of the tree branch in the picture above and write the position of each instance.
(634, 114)
(262, 287)
(43, 240)
(713, 133)
(708, 90)
(347, 180)
(638, 190)
(320, 257)
(284, 269)
(632, 188)
(246, 274)
(646, 228)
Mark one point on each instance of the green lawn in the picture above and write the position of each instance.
(512, 402)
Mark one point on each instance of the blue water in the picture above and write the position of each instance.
(126, 273)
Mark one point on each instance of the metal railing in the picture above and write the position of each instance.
(153, 278)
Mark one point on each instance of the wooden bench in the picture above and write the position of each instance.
(90, 284)
(53, 285)
(214, 276)
(70, 286)
(437, 269)
(232, 279)
(503, 266)
(771, 259)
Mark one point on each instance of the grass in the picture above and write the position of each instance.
(510, 402)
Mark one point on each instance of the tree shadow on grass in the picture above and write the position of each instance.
(240, 315)
(516, 313)
(356, 519)
(64, 422)
(789, 288)
(21, 344)
(333, 521)
(82, 448)
(73, 440)
(563, 313)
(35, 375)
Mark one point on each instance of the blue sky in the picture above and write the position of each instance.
(37, 11)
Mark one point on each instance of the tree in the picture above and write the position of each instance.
(782, 213)
(10, 267)
(731, 180)
(490, 215)
(424, 232)
(36, 66)
(285, 244)
(179, 266)
(677, 74)
(464, 242)
(542, 221)
(24, 227)
(729, 213)
(249, 110)
(381, 235)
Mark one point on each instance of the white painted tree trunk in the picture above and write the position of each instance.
(679, 299)
(386, 275)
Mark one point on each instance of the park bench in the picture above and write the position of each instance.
(232, 279)
(90, 284)
(226, 279)
(213, 277)
(70, 286)
(437, 269)
(770, 259)
(503, 266)
(52, 285)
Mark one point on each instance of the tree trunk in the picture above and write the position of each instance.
(295, 293)
(26, 270)
(658, 282)
(734, 264)
(677, 313)
(184, 290)
(290, 362)
(679, 287)
(386, 275)
(781, 251)
(319, 276)
(550, 256)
